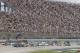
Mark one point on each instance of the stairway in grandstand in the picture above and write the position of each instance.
(4, 7)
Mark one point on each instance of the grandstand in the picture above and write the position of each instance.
(39, 19)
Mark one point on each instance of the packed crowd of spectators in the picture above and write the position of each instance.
(42, 17)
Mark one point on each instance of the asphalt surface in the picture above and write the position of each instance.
(9, 49)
